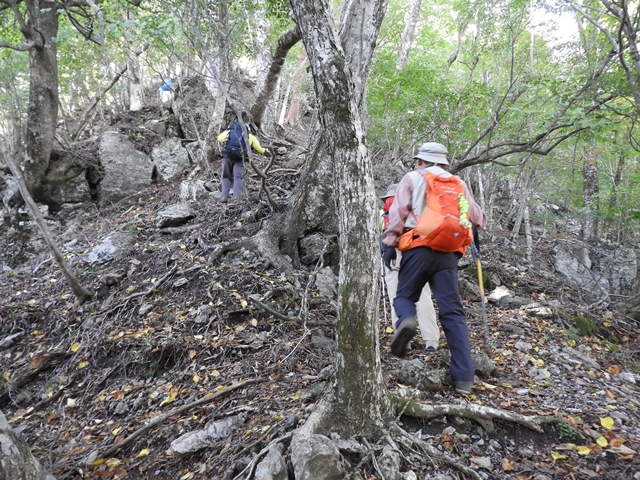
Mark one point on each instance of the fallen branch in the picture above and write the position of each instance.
(254, 299)
(79, 291)
(162, 418)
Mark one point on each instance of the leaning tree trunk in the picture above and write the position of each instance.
(358, 402)
(42, 116)
(285, 43)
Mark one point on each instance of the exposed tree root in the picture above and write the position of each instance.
(479, 413)
(411, 441)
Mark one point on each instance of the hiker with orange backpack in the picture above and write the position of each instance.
(425, 312)
(430, 221)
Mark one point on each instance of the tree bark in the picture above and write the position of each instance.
(411, 20)
(358, 402)
(313, 201)
(591, 191)
(16, 460)
(220, 74)
(285, 43)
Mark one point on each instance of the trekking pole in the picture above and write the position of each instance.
(475, 253)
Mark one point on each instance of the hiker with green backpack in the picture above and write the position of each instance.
(431, 222)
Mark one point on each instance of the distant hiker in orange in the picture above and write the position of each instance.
(423, 264)
(425, 312)
(233, 157)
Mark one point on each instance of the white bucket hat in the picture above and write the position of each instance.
(433, 153)
(391, 191)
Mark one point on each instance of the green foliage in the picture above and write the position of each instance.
(565, 432)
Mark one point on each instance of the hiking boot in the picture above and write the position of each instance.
(224, 199)
(431, 349)
(402, 336)
(463, 388)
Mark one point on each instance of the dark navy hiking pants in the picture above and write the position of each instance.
(419, 266)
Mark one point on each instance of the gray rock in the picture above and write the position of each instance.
(115, 245)
(194, 441)
(326, 281)
(315, 457)
(583, 358)
(414, 373)
(174, 216)
(273, 466)
(523, 346)
(483, 365)
(126, 170)
(389, 464)
(170, 158)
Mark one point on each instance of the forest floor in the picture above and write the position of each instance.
(169, 327)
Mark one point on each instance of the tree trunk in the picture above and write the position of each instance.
(313, 201)
(264, 63)
(135, 81)
(16, 460)
(285, 43)
(358, 401)
(293, 113)
(410, 23)
(221, 69)
(43, 92)
(591, 190)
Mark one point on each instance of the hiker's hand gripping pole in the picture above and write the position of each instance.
(475, 253)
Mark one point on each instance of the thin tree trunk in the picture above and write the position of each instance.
(410, 22)
(591, 190)
(79, 291)
(221, 69)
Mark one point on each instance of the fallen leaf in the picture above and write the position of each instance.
(507, 464)
(75, 347)
(602, 442)
(171, 398)
(558, 456)
(614, 369)
(143, 453)
(607, 422)
(582, 450)
(623, 449)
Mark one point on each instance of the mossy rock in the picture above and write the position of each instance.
(584, 326)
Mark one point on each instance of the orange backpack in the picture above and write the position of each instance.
(444, 225)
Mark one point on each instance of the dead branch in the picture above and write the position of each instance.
(85, 116)
(162, 418)
(79, 291)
